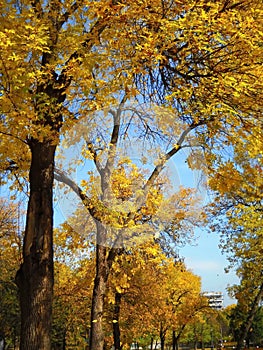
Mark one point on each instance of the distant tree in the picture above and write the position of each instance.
(158, 297)
(10, 256)
(61, 60)
(238, 318)
(237, 215)
(74, 275)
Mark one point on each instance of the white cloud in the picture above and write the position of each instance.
(204, 265)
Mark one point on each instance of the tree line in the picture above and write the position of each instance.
(62, 62)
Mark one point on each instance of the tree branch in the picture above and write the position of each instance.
(65, 16)
(36, 5)
(94, 155)
(179, 145)
(114, 135)
(97, 208)
(65, 78)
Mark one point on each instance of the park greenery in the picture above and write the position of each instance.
(104, 75)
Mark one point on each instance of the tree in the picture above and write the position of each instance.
(71, 305)
(184, 304)
(127, 205)
(10, 255)
(64, 59)
(135, 297)
(74, 275)
(238, 317)
(238, 212)
(156, 295)
(43, 51)
(249, 297)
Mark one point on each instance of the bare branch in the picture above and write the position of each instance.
(179, 145)
(94, 155)
(97, 210)
(14, 136)
(61, 176)
(115, 134)
(65, 16)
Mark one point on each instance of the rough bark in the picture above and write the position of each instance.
(162, 336)
(116, 324)
(104, 260)
(96, 331)
(35, 277)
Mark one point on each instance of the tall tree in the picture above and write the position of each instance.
(60, 60)
(39, 63)
(10, 257)
(238, 217)
(127, 204)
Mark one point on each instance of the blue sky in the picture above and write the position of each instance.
(204, 256)
(206, 260)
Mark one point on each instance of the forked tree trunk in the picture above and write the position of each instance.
(103, 265)
(35, 277)
(104, 260)
(100, 282)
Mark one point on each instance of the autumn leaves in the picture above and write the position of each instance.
(200, 61)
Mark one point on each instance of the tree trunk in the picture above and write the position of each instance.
(35, 277)
(162, 337)
(96, 331)
(162, 342)
(250, 318)
(116, 325)
(64, 341)
(175, 341)
(104, 259)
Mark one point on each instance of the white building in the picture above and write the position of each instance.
(215, 299)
